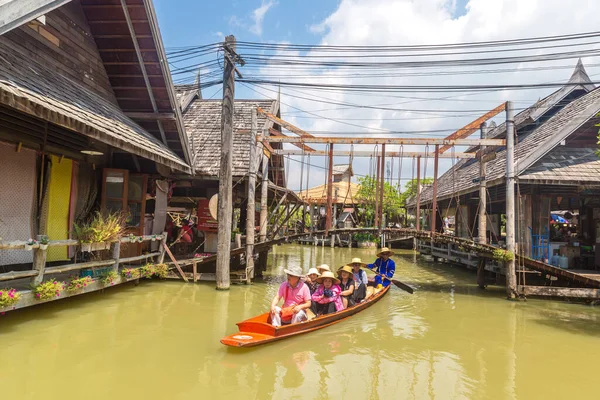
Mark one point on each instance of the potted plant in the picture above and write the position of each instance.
(48, 290)
(9, 298)
(77, 284)
(44, 243)
(147, 271)
(100, 231)
(130, 273)
(109, 278)
(161, 270)
(29, 244)
(154, 238)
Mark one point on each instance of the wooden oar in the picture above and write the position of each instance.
(396, 282)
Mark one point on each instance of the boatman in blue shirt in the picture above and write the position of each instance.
(383, 265)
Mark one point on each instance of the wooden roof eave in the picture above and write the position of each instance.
(160, 49)
(47, 113)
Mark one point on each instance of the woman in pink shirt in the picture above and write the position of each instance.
(327, 298)
(296, 298)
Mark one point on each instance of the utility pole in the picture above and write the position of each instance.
(436, 159)
(225, 210)
(511, 277)
(329, 191)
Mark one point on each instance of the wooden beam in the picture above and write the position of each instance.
(14, 13)
(302, 146)
(552, 291)
(152, 116)
(473, 126)
(168, 251)
(284, 124)
(415, 141)
(361, 153)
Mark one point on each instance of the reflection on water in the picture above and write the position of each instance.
(161, 340)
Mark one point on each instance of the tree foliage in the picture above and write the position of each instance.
(392, 204)
(410, 189)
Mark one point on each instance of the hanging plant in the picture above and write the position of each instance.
(109, 278)
(161, 270)
(130, 273)
(9, 298)
(147, 271)
(501, 255)
(79, 284)
(48, 290)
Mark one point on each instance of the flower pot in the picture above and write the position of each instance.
(366, 245)
(43, 246)
(28, 247)
(100, 246)
(86, 247)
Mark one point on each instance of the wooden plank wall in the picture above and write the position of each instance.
(66, 44)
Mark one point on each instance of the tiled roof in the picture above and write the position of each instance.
(528, 151)
(575, 165)
(202, 120)
(39, 91)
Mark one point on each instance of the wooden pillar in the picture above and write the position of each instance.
(511, 277)
(482, 225)
(329, 191)
(376, 220)
(39, 263)
(251, 206)
(161, 249)
(436, 159)
(225, 209)
(116, 255)
(264, 197)
(418, 212)
(381, 188)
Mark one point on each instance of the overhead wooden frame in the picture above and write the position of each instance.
(379, 141)
(407, 154)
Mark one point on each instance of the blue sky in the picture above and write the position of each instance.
(383, 22)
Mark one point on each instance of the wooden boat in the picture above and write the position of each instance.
(258, 330)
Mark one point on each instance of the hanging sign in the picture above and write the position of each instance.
(206, 223)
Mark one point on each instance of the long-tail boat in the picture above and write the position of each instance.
(258, 330)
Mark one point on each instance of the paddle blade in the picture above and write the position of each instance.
(403, 286)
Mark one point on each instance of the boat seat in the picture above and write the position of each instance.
(311, 315)
(370, 291)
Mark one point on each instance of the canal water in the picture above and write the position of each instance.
(160, 340)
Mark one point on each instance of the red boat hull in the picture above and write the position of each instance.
(256, 331)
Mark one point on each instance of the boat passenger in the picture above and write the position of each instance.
(322, 268)
(296, 299)
(311, 280)
(360, 279)
(384, 265)
(327, 299)
(347, 285)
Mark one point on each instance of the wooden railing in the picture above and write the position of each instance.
(39, 269)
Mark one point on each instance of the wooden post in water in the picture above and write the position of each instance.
(511, 278)
(264, 198)
(376, 220)
(436, 159)
(418, 212)
(381, 189)
(39, 263)
(482, 225)
(329, 191)
(225, 210)
(251, 207)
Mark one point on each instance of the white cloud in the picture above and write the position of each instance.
(393, 22)
(258, 16)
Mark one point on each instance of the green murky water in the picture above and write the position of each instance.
(160, 340)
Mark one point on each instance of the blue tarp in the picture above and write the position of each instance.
(559, 219)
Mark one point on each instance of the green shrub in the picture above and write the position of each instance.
(108, 278)
(147, 271)
(76, 284)
(48, 290)
(161, 270)
(9, 297)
